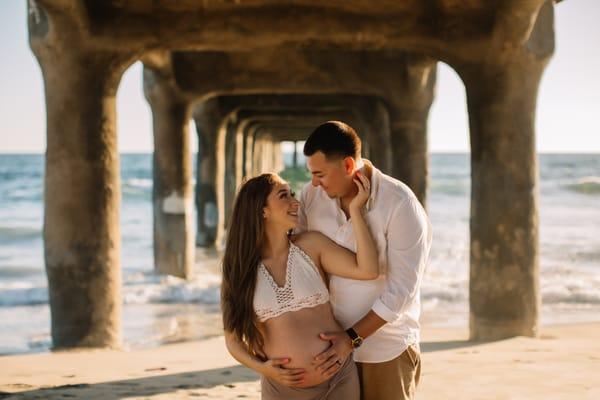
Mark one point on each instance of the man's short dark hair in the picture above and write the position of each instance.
(335, 139)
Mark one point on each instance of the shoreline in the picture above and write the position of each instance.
(561, 364)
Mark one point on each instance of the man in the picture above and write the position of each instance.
(381, 317)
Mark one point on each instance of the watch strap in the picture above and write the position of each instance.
(352, 333)
(354, 337)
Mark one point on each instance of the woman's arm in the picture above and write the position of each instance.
(340, 261)
(270, 368)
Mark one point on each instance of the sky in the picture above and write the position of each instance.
(568, 107)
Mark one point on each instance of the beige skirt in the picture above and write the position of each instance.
(342, 386)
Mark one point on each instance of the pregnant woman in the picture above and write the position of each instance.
(274, 296)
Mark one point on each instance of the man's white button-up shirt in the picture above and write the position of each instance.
(402, 233)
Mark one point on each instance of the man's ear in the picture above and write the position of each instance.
(349, 164)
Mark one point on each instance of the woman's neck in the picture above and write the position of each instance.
(276, 244)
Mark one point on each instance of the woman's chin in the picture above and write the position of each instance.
(293, 222)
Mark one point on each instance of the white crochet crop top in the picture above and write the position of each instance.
(304, 287)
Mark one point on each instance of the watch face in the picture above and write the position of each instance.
(357, 342)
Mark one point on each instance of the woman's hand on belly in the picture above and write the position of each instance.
(275, 369)
(295, 335)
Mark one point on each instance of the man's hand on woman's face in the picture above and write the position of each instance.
(331, 360)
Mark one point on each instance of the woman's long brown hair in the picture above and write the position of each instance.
(241, 259)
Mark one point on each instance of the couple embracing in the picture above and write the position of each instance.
(321, 296)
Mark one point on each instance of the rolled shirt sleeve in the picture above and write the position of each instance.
(409, 239)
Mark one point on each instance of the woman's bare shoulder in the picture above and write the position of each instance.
(308, 239)
(311, 242)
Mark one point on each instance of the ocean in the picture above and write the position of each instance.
(165, 309)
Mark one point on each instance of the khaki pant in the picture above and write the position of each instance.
(396, 379)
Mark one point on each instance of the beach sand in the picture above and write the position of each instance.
(564, 363)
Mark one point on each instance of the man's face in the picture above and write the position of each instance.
(332, 175)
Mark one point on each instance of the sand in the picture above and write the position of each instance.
(564, 363)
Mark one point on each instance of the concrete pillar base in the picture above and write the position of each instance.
(491, 329)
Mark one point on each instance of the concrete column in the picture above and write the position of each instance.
(172, 192)
(82, 189)
(409, 111)
(504, 293)
(209, 118)
(295, 156)
(250, 139)
(248, 145)
(377, 134)
(231, 167)
(263, 154)
(273, 147)
(270, 158)
(277, 164)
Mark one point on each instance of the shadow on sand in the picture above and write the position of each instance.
(142, 387)
(428, 347)
(191, 382)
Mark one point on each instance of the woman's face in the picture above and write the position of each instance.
(282, 206)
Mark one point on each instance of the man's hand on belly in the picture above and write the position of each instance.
(341, 344)
(331, 360)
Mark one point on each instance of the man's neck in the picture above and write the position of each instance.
(347, 198)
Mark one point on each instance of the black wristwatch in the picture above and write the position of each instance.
(357, 340)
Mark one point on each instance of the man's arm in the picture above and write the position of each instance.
(409, 242)
(368, 325)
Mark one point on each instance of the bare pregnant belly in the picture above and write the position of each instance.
(295, 335)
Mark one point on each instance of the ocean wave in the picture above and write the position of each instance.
(447, 295)
(137, 188)
(205, 290)
(13, 297)
(564, 285)
(562, 296)
(558, 285)
(13, 233)
(140, 183)
(452, 187)
(34, 194)
(144, 184)
(13, 271)
(139, 288)
(586, 185)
